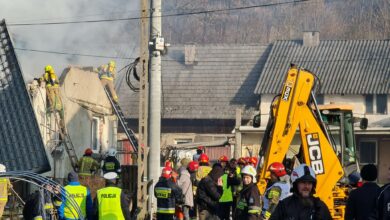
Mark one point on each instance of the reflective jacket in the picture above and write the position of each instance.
(293, 208)
(51, 79)
(111, 164)
(248, 203)
(109, 203)
(81, 196)
(273, 194)
(87, 165)
(167, 194)
(106, 73)
(4, 187)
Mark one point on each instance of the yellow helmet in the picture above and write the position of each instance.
(111, 63)
(48, 68)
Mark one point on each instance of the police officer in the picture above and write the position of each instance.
(168, 195)
(302, 204)
(111, 202)
(248, 201)
(80, 194)
(278, 189)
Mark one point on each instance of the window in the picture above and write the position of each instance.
(95, 134)
(381, 104)
(369, 104)
(376, 104)
(320, 99)
(367, 152)
(183, 141)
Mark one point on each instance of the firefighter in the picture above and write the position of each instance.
(40, 205)
(87, 165)
(278, 189)
(5, 186)
(111, 164)
(199, 151)
(168, 195)
(107, 75)
(192, 169)
(204, 167)
(229, 180)
(248, 201)
(52, 89)
(80, 194)
(111, 202)
(302, 204)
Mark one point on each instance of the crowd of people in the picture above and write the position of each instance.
(227, 190)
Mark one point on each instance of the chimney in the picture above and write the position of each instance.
(189, 54)
(311, 38)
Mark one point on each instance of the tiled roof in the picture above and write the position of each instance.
(21, 145)
(343, 66)
(222, 79)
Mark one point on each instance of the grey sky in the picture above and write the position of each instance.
(118, 38)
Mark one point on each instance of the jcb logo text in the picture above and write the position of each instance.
(315, 154)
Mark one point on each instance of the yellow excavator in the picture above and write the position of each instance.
(326, 133)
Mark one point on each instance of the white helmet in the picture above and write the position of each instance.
(251, 171)
(303, 173)
(2, 168)
(111, 152)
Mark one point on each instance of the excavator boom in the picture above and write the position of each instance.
(291, 111)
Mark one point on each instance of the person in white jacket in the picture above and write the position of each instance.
(185, 184)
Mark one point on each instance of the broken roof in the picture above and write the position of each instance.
(343, 66)
(220, 79)
(21, 145)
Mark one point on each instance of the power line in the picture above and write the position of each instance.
(166, 15)
(74, 54)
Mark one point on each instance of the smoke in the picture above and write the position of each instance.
(114, 38)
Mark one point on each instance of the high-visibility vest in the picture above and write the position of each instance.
(4, 189)
(109, 203)
(227, 195)
(79, 194)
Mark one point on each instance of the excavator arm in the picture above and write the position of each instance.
(290, 111)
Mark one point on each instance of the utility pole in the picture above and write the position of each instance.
(143, 149)
(157, 43)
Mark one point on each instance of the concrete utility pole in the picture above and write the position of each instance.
(142, 156)
(157, 43)
(237, 147)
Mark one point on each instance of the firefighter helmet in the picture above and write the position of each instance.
(88, 152)
(48, 68)
(241, 160)
(193, 166)
(223, 159)
(251, 171)
(2, 168)
(112, 152)
(303, 173)
(252, 160)
(166, 172)
(203, 158)
(277, 169)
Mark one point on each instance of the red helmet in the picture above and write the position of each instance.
(223, 159)
(166, 172)
(193, 166)
(242, 161)
(200, 148)
(168, 164)
(203, 158)
(252, 160)
(88, 152)
(277, 169)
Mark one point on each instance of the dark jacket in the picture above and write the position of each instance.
(111, 164)
(248, 203)
(293, 208)
(125, 201)
(208, 194)
(382, 209)
(168, 194)
(39, 204)
(361, 202)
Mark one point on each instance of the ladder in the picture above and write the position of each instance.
(129, 133)
(66, 140)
